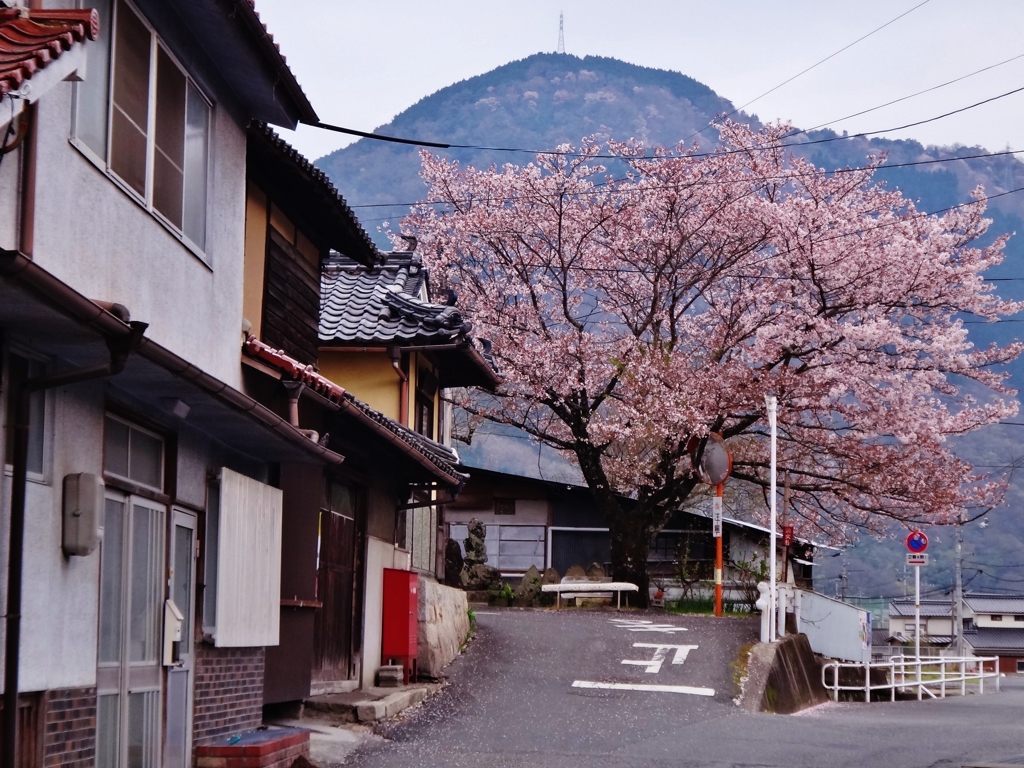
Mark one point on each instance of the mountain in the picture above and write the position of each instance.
(549, 99)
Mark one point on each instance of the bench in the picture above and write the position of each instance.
(591, 588)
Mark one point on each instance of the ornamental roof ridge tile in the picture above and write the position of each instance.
(319, 177)
(31, 39)
(383, 303)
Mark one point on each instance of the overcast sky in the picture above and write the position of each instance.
(362, 62)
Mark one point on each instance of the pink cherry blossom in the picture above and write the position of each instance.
(629, 310)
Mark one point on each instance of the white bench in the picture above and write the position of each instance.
(590, 587)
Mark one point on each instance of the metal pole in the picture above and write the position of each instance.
(958, 606)
(772, 403)
(718, 558)
(917, 625)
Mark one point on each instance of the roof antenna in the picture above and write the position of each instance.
(561, 33)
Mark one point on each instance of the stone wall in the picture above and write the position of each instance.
(444, 626)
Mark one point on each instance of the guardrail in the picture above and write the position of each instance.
(932, 675)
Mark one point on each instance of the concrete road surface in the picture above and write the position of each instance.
(604, 689)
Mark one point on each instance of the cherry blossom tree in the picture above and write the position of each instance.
(630, 312)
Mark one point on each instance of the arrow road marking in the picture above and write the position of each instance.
(660, 653)
(645, 687)
(637, 625)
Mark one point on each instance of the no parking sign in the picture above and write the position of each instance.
(917, 542)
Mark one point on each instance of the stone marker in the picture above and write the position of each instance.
(476, 574)
(550, 576)
(576, 573)
(529, 588)
(596, 572)
(453, 563)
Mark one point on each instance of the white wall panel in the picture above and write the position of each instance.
(248, 563)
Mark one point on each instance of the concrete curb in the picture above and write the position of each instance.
(372, 710)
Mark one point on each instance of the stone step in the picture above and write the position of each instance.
(365, 706)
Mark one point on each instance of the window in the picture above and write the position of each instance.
(997, 617)
(145, 121)
(504, 506)
(132, 453)
(1020, 665)
(20, 368)
(426, 390)
(1019, 617)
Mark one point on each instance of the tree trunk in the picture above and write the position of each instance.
(630, 544)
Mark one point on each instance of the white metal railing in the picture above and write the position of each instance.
(932, 675)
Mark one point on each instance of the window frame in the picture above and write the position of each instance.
(103, 163)
(131, 482)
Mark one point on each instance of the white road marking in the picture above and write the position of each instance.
(660, 654)
(637, 625)
(645, 687)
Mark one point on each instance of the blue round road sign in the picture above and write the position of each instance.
(917, 542)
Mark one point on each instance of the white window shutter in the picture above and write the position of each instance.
(248, 563)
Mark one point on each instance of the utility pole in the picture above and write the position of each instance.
(958, 591)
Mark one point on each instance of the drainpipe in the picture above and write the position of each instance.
(403, 390)
(295, 389)
(27, 218)
(120, 349)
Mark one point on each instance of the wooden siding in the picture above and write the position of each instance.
(291, 300)
(248, 563)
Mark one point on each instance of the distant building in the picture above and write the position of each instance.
(993, 625)
(553, 524)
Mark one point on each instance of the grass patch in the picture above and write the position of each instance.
(705, 606)
(740, 665)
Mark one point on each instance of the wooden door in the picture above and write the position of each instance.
(339, 588)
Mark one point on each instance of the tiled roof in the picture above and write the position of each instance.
(441, 459)
(308, 186)
(383, 305)
(928, 608)
(1008, 604)
(995, 639)
(29, 40)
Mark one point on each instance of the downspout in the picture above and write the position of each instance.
(403, 388)
(120, 349)
(27, 218)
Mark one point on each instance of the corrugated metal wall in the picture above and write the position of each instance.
(248, 563)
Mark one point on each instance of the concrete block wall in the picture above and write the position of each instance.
(444, 625)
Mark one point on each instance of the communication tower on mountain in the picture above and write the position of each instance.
(561, 33)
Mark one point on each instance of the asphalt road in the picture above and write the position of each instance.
(511, 701)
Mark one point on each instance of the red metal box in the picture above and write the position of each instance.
(400, 630)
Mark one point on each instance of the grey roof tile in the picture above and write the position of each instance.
(384, 304)
(928, 608)
(995, 639)
(1010, 604)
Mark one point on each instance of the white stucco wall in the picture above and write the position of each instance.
(93, 235)
(10, 167)
(60, 594)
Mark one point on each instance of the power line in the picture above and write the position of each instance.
(911, 96)
(779, 177)
(817, 64)
(717, 153)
